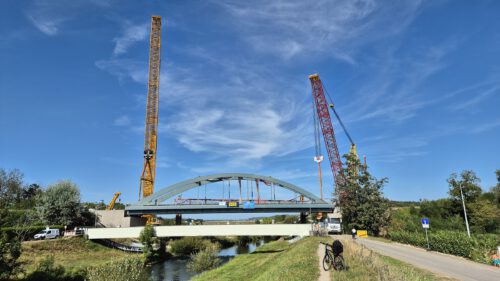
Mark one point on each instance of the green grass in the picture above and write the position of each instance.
(366, 265)
(72, 253)
(273, 261)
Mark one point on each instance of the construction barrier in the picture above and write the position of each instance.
(362, 233)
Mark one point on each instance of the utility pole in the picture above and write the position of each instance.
(465, 211)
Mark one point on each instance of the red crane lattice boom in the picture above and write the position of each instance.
(326, 128)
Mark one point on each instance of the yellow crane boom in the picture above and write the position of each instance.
(113, 201)
(149, 167)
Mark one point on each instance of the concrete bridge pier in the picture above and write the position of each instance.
(178, 219)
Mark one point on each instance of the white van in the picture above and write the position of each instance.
(47, 234)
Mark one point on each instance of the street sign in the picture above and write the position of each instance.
(425, 223)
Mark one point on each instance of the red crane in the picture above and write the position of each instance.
(323, 117)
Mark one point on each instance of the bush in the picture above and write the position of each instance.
(205, 259)
(188, 245)
(28, 231)
(131, 269)
(476, 248)
(46, 270)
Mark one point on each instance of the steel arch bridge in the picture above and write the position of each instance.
(153, 204)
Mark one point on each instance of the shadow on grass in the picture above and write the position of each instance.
(267, 252)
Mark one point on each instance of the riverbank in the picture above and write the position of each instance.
(277, 259)
(73, 254)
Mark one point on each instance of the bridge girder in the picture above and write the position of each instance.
(178, 188)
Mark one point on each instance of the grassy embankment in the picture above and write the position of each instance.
(364, 264)
(73, 254)
(273, 261)
(299, 261)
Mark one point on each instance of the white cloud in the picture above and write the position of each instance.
(131, 34)
(122, 121)
(49, 26)
(49, 15)
(338, 28)
(477, 98)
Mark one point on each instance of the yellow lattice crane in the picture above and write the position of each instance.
(149, 168)
(113, 201)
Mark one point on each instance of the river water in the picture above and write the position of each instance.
(176, 270)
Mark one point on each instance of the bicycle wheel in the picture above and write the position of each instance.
(338, 263)
(327, 262)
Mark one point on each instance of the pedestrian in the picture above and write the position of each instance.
(353, 232)
(495, 260)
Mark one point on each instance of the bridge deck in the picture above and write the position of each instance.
(137, 210)
(204, 230)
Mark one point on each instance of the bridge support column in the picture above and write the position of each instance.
(178, 219)
(303, 217)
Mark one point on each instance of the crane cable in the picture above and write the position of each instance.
(336, 115)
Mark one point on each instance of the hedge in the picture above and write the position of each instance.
(476, 248)
(29, 231)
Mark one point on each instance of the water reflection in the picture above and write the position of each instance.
(176, 270)
(240, 249)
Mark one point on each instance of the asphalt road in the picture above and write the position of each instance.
(443, 265)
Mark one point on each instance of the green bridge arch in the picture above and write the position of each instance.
(178, 188)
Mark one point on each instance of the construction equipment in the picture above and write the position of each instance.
(151, 129)
(322, 118)
(352, 149)
(113, 201)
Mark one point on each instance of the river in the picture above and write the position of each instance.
(176, 270)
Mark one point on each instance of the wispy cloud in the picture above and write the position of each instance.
(485, 127)
(242, 118)
(122, 121)
(337, 28)
(131, 34)
(477, 98)
(49, 15)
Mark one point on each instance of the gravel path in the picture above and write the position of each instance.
(323, 275)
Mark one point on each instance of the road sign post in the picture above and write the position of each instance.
(425, 225)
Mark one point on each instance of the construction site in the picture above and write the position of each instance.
(248, 197)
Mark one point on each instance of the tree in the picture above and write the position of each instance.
(10, 187)
(148, 239)
(496, 189)
(360, 198)
(470, 186)
(10, 251)
(484, 216)
(60, 204)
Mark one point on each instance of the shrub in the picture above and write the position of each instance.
(455, 243)
(188, 245)
(205, 259)
(27, 231)
(131, 269)
(46, 270)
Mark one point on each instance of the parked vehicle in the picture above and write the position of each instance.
(49, 233)
(334, 223)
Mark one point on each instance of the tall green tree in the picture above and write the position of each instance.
(11, 187)
(60, 204)
(361, 199)
(469, 183)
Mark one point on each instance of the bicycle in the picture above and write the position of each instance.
(333, 257)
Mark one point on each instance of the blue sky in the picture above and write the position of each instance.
(417, 84)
